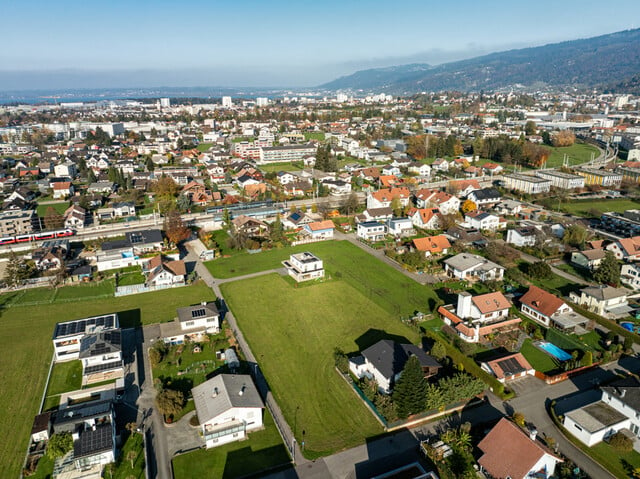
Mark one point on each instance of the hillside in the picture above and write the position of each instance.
(604, 60)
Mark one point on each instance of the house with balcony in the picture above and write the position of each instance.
(228, 408)
(67, 335)
(101, 356)
(476, 316)
(371, 231)
(604, 300)
(304, 266)
(549, 310)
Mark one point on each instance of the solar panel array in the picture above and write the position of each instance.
(198, 313)
(80, 326)
(98, 368)
(94, 441)
(511, 366)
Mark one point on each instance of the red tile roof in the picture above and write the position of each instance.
(432, 244)
(490, 302)
(542, 301)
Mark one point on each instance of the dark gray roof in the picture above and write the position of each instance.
(93, 441)
(191, 313)
(74, 414)
(389, 357)
(136, 238)
(102, 342)
(223, 392)
(626, 390)
(80, 326)
(486, 194)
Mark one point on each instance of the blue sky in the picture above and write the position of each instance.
(272, 42)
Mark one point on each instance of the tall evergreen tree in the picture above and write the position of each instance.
(409, 392)
(609, 270)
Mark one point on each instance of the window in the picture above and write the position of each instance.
(189, 323)
(577, 427)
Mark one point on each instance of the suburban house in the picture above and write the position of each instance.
(440, 164)
(383, 197)
(549, 310)
(228, 407)
(192, 323)
(462, 188)
(485, 197)
(630, 275)
(618, 410)
(385, 360)
(508, 207)
(483, 221)
(425, 218)
(101, 356)
(588, 259)
(442, 200)
(250, 227)
(123, 253)
(471, 266)
(627, 249)
(304, 266)
(400, 227)
(523, 236)
(296, 220)
(319, 230)
(75, 217)
(51, 254)
(162, 271)
(375, 214)
(371, 231)
(507, 368)
(63, 189)
(604, 300)
(67, 335)
(93, 429)
(477, 316)
(420, 169)
(432, 245)
(509, 452)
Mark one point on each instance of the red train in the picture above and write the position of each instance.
(44, 235)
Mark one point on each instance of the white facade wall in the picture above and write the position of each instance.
(251, 417)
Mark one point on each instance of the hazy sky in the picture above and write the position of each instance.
(271, 42)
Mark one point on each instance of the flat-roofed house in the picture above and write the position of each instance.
(304, 266)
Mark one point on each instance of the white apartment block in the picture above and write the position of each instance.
(562, 180)
(530, 185)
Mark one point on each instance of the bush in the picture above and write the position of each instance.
(620, 442)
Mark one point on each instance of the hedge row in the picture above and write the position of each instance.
(472, 367)
(611, 325)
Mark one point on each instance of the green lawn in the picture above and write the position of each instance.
(263, 450)
(314, 135)
(41, 210)
(385, 286)
(122, 468)
(41, 296)
(294, 335)
(584, 208)
(578, 153)
(128, 279)
(65, 377)
(285, 166)
(204, 146)
(614, 461)
(539, 360)
(26, 351)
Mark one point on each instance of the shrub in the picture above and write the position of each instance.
(620, 442)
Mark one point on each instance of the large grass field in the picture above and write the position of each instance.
(263, 450)
(293, 331)
(584, 208)
(389, 288)
(578, 153)
(26, 351)
(41, 210)
(283, 166)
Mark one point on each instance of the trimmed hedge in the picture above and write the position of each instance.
(612, 325)
(472, 367)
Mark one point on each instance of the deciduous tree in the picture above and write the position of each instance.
(59, 444)
(170, 402)
(174, 228)
(609, 270)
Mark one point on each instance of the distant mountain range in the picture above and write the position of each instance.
(608, 61)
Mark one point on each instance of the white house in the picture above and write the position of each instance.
(101, 356)
(228, 407)
(75, 217)
(67, 335)
(485, 197)
(442, 200)
(400, 227)
(618, 409)
(192, 322)
(549, 310)
(588, 259)
(472, 266)
(319, 230)
(304, 266)
(383, 197)
(420, 169)
(604, 300)
(425, 218)
(161, 271)
(630, 275)
(371, 230)
(483, 221)
(523, 236)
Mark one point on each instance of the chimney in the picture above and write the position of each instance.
(241, 392)
(464, 305)
(623, 392)
(215, 392)
(533, 434)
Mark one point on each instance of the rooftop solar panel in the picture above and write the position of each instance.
(511, 366)
(198, 313)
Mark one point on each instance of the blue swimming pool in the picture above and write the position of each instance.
(553, 350)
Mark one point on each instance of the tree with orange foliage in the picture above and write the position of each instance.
(564, 138)
(468, 206)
